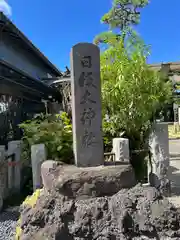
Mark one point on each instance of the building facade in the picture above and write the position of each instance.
(24, 73)
(172, 71)
(17, 50)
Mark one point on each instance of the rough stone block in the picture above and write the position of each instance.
(139, 213)
(47, 168)
(82, 183)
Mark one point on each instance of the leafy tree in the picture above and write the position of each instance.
(121, 17)
(132, 93)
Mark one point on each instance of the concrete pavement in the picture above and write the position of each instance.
(174, 150)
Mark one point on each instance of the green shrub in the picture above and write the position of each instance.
(132, 94)
(53, 131)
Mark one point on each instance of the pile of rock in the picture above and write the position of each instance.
(136, 213)
(93, 201)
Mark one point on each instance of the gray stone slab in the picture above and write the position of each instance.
(159, 175)
(86, 105)
(3, 175)
(14, 168)
(47, 168)
(2, 153)
(38, 156)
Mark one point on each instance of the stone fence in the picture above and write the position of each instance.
(10, 170)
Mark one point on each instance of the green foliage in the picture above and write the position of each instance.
(121, 17)
(131, 93)
(124, 13)
(54, 131)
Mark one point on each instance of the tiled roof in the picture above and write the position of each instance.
(35, 50)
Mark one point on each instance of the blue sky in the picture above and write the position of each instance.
(55, 25)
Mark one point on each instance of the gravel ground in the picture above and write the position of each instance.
(8, 220)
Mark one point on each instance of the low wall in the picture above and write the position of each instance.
(10, 170)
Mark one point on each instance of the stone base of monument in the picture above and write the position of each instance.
(84, 183)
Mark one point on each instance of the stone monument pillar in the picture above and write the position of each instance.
(86, 105)
(159, 167)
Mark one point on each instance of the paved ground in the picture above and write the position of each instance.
(174, 149)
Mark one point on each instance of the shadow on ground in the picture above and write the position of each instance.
(175, 155)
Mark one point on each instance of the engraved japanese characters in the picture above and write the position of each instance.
(86, 105)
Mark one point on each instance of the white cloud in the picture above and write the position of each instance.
(5, 8)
